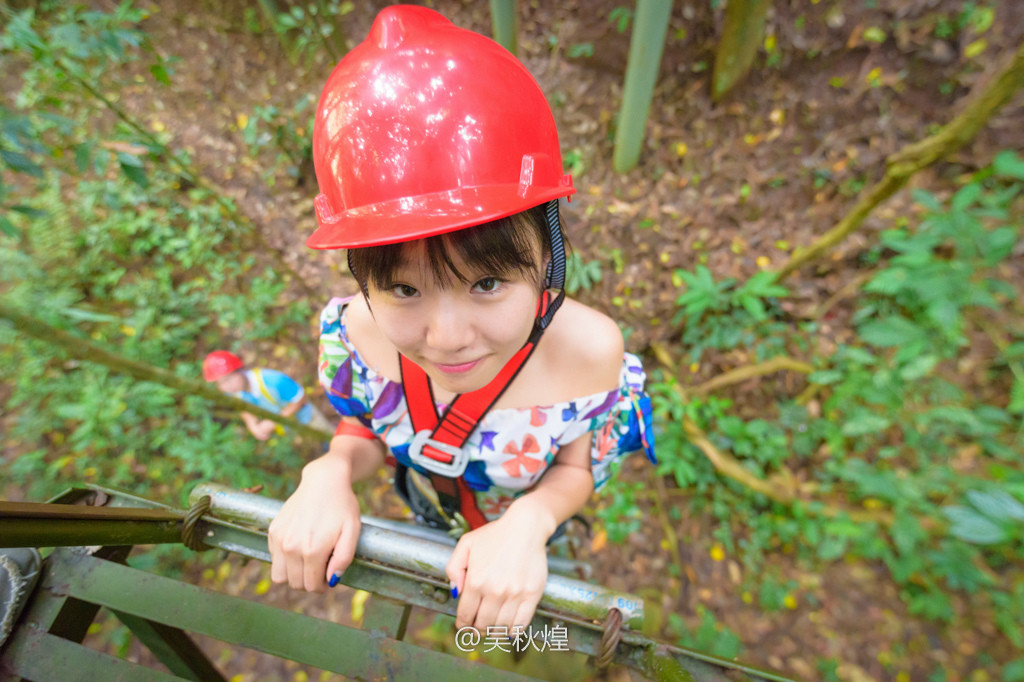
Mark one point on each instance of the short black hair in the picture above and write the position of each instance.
(502, 248)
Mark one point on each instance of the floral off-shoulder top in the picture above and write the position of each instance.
(511, 448)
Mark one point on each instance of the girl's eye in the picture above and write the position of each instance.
(403, 291)
(488, 285)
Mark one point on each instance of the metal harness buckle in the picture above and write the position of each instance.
(452, 469)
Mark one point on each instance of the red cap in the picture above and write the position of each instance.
(220, 363)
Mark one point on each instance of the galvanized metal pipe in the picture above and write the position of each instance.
(424, 556)
(256, 510)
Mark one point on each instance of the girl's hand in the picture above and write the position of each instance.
(264, 429)
(314, 535)
(500, 571)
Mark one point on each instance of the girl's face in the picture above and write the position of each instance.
(232, 383)
(462, 334)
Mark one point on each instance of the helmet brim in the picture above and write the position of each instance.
(427, 215)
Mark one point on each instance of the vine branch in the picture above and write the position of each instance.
(735, 376)
(781, 487)
(84, 349)
(902, 165)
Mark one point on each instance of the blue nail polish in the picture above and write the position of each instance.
(455, 592)
(334, 580)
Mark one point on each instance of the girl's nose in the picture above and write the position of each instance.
(450, 328)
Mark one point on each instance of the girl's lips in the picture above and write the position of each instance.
(457, 369)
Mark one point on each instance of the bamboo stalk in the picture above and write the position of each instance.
(650, 24)
(505, 24)
(742, 35)
(88, 351)
(902, 165)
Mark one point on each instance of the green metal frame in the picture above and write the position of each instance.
(77, 582)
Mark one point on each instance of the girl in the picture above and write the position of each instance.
(439, 169)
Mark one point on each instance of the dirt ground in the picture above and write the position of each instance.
(732, 185)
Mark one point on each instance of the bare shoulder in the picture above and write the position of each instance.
(589, 344)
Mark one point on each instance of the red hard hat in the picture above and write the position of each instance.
(426, 128)
(220, 363)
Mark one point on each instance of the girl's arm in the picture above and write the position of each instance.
(261, 429)
(500, 570)
(314, 535)
(291, 408)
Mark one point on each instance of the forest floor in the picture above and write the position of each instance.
(735, 185)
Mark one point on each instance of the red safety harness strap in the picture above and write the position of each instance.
(450, 431)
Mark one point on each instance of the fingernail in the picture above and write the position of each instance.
(455, 592)
(334, 580)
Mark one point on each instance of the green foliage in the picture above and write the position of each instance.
(990, 518)
(580, 50)
(108, 244)
(620, 512)
(722, 315)
(971, 16)
(304, 30)
(622, 17)
(915, 412)
(81, 47)
(573, 162)
(286, 134)
(710, 636)
(580, 274)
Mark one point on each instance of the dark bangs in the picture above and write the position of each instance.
(501, 248)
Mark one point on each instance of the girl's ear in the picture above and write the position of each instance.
(544, 278)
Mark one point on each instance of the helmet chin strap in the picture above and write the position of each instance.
(555, 276)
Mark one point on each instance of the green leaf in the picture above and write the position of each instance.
(907, 532)
(1008, 165)
(1016, 405)
(127, 159)
(888, 281)
(160, 74)
(78, 314)
(865, 423)
(577, 50)
(996, 504)
(920, 366)
(753, 305)
(135, 173)
(29, 211)
(927, 199)
(825, 377)
(860, 356)
(8, 228)
(966, 196)
(970, 526)
(74, 411)
(1014, 671)
(763, 285)
(891, 331)
(20, 163)
(83, 156)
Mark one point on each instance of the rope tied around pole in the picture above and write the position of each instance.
(189, 533)
(610, 637)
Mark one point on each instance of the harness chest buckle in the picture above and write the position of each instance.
(452, 468)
